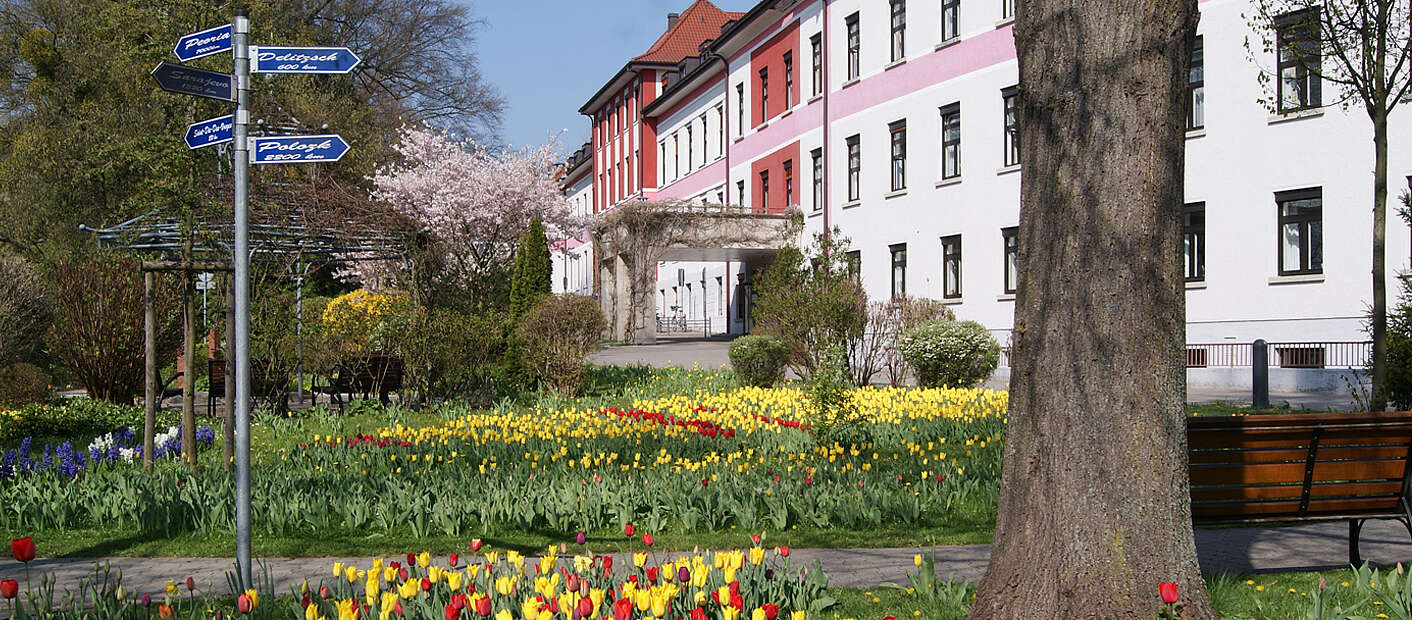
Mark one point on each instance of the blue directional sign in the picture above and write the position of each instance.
(210, 132)
(199, 82)
(269, 59)
(297, 149)
(204, 43)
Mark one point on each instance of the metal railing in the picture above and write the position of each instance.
(669, 325)
(1338, 354)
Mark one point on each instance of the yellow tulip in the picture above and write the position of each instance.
(917, 560)
(372, 588)
(434, 574)
(347, 610)
(757, 555)
(171, 588)
(595, 595)
(492, 557)
(389, 574)
(254, 598)
(409, 589)
(796, 615)
(757, 614)
(731, 613)
(699, 598)
(389, 605)
(639, 559)
(504, 585)
(424, 560)
(530, 609)
(338, 569)
(453, 581)
(351, 573)
(504, 614)
(312, 613)
(643, 599)
(514, 558)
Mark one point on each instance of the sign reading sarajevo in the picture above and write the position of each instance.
(202, 44)
(210, 132)
(269, 59)
(297, 149)
(199, 82)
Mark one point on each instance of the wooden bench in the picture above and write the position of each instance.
(216, 384)
(373, 374)
(1301, 468)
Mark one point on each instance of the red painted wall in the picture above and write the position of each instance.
(770, 55)
(774, 163)
(648, 94)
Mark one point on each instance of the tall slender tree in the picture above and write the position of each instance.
(1094, 510)
(1364, 49)
(532, 277)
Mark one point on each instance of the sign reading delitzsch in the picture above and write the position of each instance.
(270, 59)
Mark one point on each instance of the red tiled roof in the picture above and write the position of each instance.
(700, 22)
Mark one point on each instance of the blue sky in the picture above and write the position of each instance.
(548, 57)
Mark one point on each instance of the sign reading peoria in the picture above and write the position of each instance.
(297, 149)
(269, 59)
(204, 43)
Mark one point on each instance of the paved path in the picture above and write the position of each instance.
(1239, 551)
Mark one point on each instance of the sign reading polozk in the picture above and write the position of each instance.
(297, 149)
(192, 81)
(204, 43)
(210, 132)
(271, 59)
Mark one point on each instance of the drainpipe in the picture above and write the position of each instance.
(827, 148)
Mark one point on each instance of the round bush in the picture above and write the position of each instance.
(950, 353)
(759, 360)
(556, 336)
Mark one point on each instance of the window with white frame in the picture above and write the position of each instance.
(1194, 241)
(897, 132)
(817, 157)
(854, 45)
(764, 94)
(899, 29)
(1196, 88)
(720, 131)
(855, 164)
(690, 149)
(899, 270)
(764, 191)
(676, 157)
(1010, 98)
(739, 110)
(740, 192)
(1011, 238)
(950, 19)
(816, 54)
(1007, 9)
(705, 142)
(788, 183)
(951, 141)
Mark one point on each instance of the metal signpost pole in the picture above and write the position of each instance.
(240, 41)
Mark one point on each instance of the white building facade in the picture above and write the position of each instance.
(894, 121)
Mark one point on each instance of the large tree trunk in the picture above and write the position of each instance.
(1378, 401)
(1094, 510)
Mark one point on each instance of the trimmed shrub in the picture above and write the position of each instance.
(950, 353)
(23, 384)
(759, 360)
(556, 336)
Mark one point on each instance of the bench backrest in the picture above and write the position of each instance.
(376, 371)
(1298, 466)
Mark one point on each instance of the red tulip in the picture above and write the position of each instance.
(23, 549)
(426, 584)
(622, 609)
(889, 618)
(411, 559)
(304, 601)
(698, 614)
(653, 572)
(1168, 590)
(784, 551)
(453, 559)
(9, 588)
(452, 612)
(607, 566)
(771, 611)
(808, 480)
(459, 600)
(628, 530)
(572, 582)
(397, 609)
(164, 611)
(647, 539)
(475, 544)
(585, 607)
(243, 603)
(483, 606)
(755, 538)
(402, 573)
(324, 592)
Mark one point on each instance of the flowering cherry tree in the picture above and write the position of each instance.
(473, 202)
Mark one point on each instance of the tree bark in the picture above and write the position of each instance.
(1378, 399)
(1094, 509)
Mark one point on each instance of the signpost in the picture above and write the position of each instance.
(210, 132)
(297, 149)
(271, 59)
(204, 43)
(197, 82)
(235, 38)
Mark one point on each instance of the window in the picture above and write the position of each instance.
(676, 157)
(1196, 90)
(690, 148)
(788, 184)
(853, 262)
(854, 39)
(1007, 9)
(705, 143)
(899, 270)
(951, 267)
(764, 191)
(899, 29)
(1194, 241)
(1301, 243)
(720, 131)
(1297, 46)
(1011, 236)
(739, 110)
(764, 94)
(950, 14)
(951, 141)
(898, 131)
(855, 163)
(740, 192)
(788, 80)
(1011, 98)
(817, 155)
(663, 159)
(816, 47)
